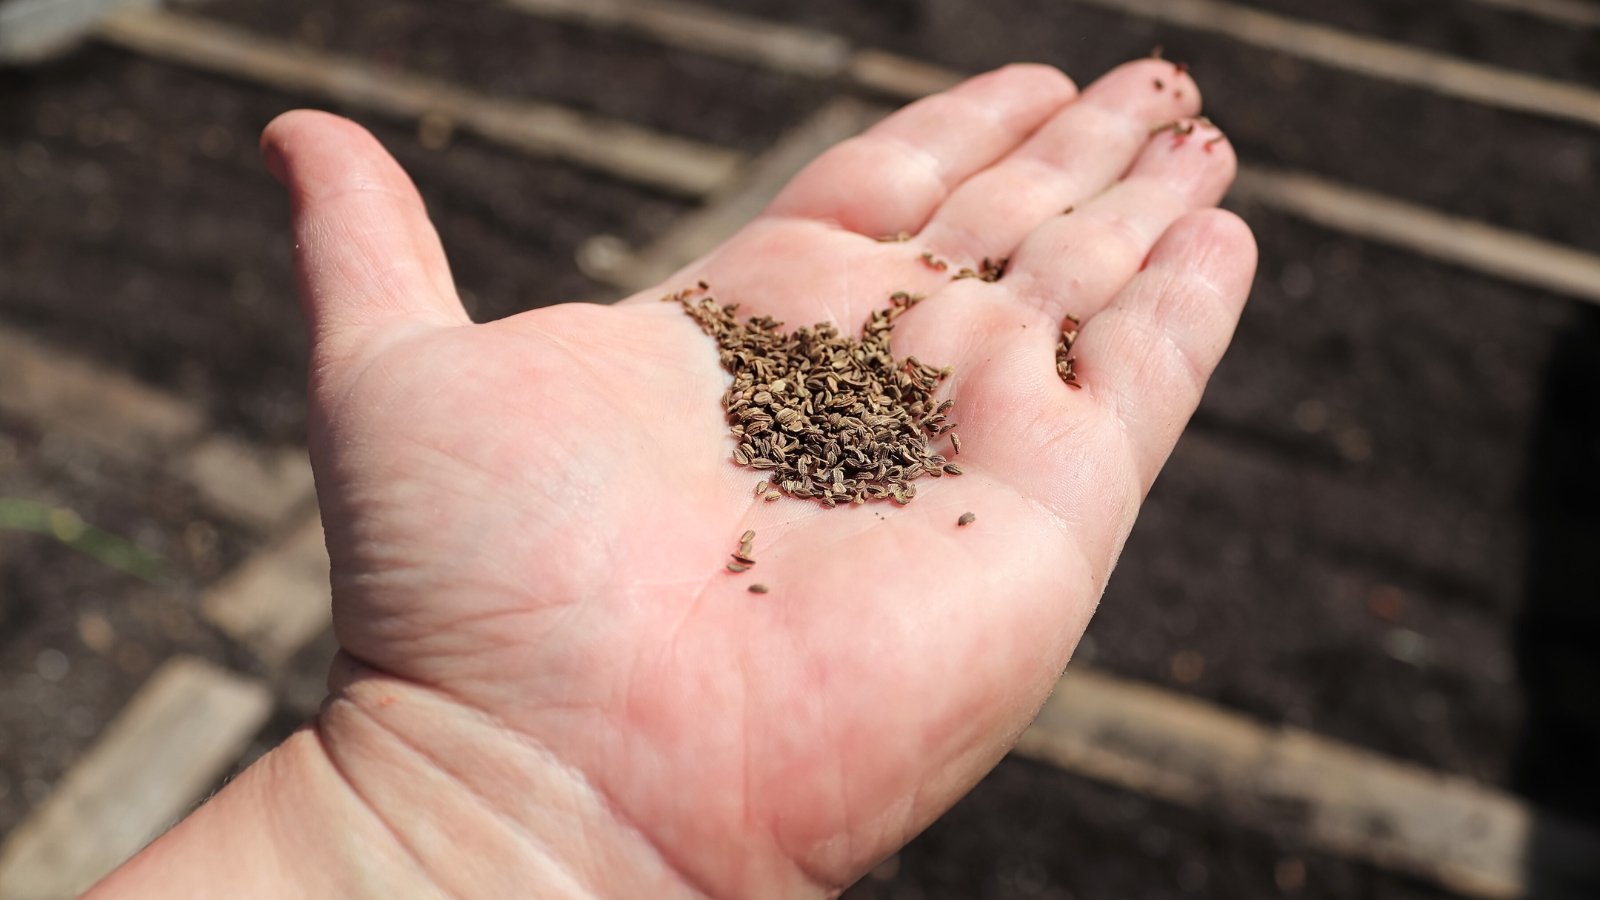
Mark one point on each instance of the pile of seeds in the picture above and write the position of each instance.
(825, 416)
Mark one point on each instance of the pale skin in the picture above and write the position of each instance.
(549, 685)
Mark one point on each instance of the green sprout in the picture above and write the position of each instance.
(69, 528)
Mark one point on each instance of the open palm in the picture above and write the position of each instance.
(530, 518)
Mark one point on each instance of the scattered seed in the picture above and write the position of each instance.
(898, 237)
(758, 588)
(1064, 359)
(955, 443)
(1213, 142)
(1069, 210)
(771, 496)
(1160, 85)
(703, 285)
(743, 557)
(737, 567)
(991, 270)
(952, 469)
(964, 273)
(966, 519)
(938, 265)
(761, 488)
(748, 536)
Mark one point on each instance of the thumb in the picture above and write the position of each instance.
(368, 260)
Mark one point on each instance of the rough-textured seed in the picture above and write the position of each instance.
(952, 469)
(736, 567)
(1064, 358)
(761, 488)
(758, 588)
(966, 519)
(955, 443)
(748, 536)
(772, 495)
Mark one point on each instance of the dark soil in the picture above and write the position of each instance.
(501, 51)
(77, 636)
(140, 227)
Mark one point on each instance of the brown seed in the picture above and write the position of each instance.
(966, 519)
(748, 536)
(736, 567)
(703, 285)
(761, 488)
(1069, 210)
(936, 264)
(952, 469)
(758, 588)
(955, 443)
(771, 496)
(1160, 85)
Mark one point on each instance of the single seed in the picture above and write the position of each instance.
(743, 557)
(748, 536)
(1160, 85)
(955, 443)
(761, 488)
(737, 567)
(1069, 210)
(758, 588)
(952, 469)
(772, 495)
(966, 519)
(703, 285)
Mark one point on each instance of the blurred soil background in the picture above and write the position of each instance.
(1380, 528)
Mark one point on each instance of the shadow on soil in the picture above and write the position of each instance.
(1558, 637)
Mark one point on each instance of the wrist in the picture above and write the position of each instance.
(398, 791)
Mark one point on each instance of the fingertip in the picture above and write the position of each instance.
(1217, 245)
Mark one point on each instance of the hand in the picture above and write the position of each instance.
(529, 519)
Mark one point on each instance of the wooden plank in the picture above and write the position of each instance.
(175, 738)
(1373, 57)
(279, 599)
(744, 197)
(673, 164)
(899, 77)
(1473, 245)
(706, 31)
(58, 392)
(1351, 802)
(257, 486)
(32, 31)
